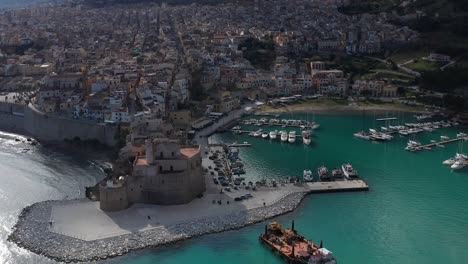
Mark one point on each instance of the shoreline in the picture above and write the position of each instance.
(334, 109)
(32, 231)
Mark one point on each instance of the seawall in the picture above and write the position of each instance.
(29, 121)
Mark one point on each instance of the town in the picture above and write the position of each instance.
(153, 81)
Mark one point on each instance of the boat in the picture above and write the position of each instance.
(337, 173)
(308, 177)
(349, 171)
(284, 136)
(265, 135)
(433, 141)
(273, 134)
(362, 135)
(440, 145)
(413, 143)
(450, 161)
(292, 137)
(306, 137)
(444, 138)
(459, 135)
(459, 164)
(323, 173)
(294, 248)
(257, 133)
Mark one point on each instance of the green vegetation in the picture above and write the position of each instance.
(424, 66)
(260, 53)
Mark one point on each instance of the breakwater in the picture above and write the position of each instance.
(29, 121)
(32, 231)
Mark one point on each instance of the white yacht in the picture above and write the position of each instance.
(308, 177)
(349, 171)
(459, 164)
(273, 134)
(284, 136)
(459, 135)
(444, 138)
(413, 143)
(450, 161)
(265, 135)
(306, 137)
(292, 137)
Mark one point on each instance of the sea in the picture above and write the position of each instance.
(415, 211)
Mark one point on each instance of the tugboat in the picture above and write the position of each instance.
(323, 173)
(293, 247)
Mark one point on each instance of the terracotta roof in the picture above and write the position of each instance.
(189, 152)
(141, 162)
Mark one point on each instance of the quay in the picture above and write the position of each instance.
(311, 126)
(245, 144)
(423, 147)
(337, 186)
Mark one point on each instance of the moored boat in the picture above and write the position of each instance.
(323, 173)
(293, 247)
(292, 137)
(349, 171)
(284, 136)
(337, 173)
(308, 177)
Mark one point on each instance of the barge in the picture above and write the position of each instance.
(294, 248)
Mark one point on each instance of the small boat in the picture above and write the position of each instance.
(292, 137)
(306, 137)
(450, 161)
(265, 135)
(284, 136)
(349, 171)
(273, 134)
(257, 133)
(323, 173)
(362, 135)
(433, 141)
(444, 138)
(337, 173)
(440, 146)
(459, 135)
(308, 177)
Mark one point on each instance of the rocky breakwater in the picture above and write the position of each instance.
(32, 231)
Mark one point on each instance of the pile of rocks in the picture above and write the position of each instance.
(32, 231)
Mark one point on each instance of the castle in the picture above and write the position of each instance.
(168, 174)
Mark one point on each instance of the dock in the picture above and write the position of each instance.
(245, 144)
(337, 186)
(249, 131)
(386, 119)
(308, 126)
(422, 147)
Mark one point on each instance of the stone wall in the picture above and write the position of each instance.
(29, 121)
(113, 199)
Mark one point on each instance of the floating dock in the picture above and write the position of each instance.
(313, 126)
(386, 119)
(422, 147)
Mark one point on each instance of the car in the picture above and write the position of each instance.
(227, 189)
(238, 199)
(236, 188)
(248, 195)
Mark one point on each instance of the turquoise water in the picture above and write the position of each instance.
(415, 212)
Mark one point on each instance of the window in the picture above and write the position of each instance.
(173, 154)
(160, 169)
(172, 168)
(161, 154)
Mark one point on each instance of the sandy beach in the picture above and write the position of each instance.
(327, 107)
